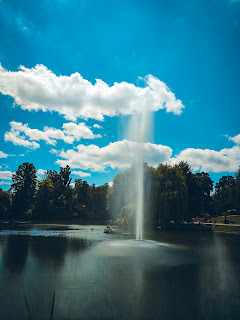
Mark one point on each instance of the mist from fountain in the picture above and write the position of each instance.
(139, 131)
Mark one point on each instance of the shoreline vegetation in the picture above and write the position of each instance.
(175, 198)
(60, 225)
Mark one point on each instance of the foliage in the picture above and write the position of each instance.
(127, 217)
(171, 194)
(4, 204)
(23, 189)
(224, 197)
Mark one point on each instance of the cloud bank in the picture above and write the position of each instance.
(210, 160)
(39, 88)
(121, 154)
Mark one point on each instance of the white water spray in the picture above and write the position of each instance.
(139, 131)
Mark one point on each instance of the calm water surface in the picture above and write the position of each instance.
(171, 275)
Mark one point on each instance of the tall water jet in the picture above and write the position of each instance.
(139, 130)
(140, 193)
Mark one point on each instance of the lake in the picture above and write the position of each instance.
(172, 275)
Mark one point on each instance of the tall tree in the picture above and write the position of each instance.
(172, 195)
(204, 195)
(4, 204)
(43, 200)
(61, 192)
(224, 197)
(23, 188)
(193, 187)
(237, 194)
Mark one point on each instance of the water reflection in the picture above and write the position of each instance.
(15, 252)
(178, 276)
(218, 281)
(51, 251)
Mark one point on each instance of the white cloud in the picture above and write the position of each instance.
(235, 139)
(120, 154)
(15, 137)
(79, 131)
(3, 155)
(54, 151)
(74, 97)
(110, 183)
(41, 171)
(81, 174)
(71, 132)
(210, 160)
(6, 175)
(4, 182)
(97, 126)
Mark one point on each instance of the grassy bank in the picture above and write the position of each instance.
(234, 219)
(227, 229)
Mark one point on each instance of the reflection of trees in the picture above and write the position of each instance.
(15, 253)
(51, 251)
(76, 245)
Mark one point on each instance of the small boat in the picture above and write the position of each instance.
(109, 229)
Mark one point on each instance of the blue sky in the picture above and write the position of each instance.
(177, 59)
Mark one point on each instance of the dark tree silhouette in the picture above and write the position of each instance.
(23, 188)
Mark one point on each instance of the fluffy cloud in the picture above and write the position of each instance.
(235, 139)
(120, 154)
(4, 182)
(97, 126)
(74, 97)
(3, 155)
(54, 151)
(6, 175)
(79, 131)
(19, 140)
(20, 134)
(81, 174)
(210, 160)
(41, 171)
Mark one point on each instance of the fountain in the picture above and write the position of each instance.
(139, 130)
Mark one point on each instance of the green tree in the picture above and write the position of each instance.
(23, 188)
(224, 197)
(4, 204)
(82, 200)
(172, 196)
(193, 187)
(237, 193)
(61, 195)
(43, 201)
(204, 195)
(122, 192)
(99, 202)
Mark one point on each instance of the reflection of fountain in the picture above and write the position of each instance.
(155, 253)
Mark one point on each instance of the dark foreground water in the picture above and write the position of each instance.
(172, 275)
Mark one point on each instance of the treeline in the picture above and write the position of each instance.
(53, 197)
(171, 193)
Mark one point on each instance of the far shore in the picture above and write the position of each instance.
(185, 227)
